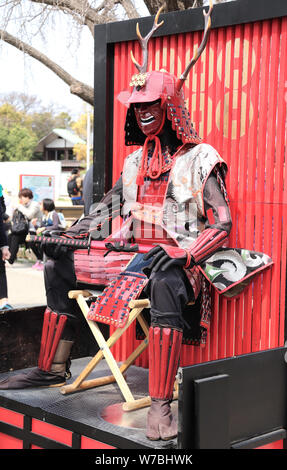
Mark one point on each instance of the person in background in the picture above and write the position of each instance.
(75, 188)
(50, 221)
(88, 190)
(5, 255)
(7, 223)
(29, 208)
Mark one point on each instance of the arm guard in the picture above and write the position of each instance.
(218, 225)
(205, 245)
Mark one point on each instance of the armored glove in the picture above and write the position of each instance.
(120, 246)
(163, 257)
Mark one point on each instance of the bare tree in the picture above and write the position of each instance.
(34, 14)
(20, 101)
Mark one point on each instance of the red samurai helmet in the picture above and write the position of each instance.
(160, 85)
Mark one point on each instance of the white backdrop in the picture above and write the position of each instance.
(10, 177)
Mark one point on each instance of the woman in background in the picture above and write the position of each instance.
(31, 210)
(4, 255)
(50, 222)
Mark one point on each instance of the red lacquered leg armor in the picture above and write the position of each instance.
(52, 330)
(164, 352)
(53, 358)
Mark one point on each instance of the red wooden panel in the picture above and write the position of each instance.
(272, 445)
(52, 432)
(9, 442)
(88, 443)
(237, 97)
(11, 417)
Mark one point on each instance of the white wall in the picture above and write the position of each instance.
(63, 182)
(10, 175)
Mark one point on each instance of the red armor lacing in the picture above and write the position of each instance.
(154, 169)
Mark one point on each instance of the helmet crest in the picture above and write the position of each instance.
(154, 85)
(144, 45)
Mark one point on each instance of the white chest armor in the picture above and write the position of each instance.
(180, 210)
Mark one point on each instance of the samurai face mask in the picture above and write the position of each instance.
(150, 117)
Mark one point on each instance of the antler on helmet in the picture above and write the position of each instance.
(200, 49)
(140, 79)
(144, 43)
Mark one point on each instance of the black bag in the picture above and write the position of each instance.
(72, 187)
(20, 223)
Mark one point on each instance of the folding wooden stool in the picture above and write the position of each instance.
(136, 307)
(119, 305)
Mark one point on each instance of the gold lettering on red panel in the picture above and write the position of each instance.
(235, 106)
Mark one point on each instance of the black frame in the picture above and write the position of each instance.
(77, 429)
(204, 387)
(234, 403)
(106, 35)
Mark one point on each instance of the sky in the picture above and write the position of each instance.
(75, 53)
(72, 50)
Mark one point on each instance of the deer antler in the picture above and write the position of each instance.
(200, 49)
(144, 42)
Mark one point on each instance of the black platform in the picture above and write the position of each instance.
(95, 414)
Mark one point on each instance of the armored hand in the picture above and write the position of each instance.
(163, 257)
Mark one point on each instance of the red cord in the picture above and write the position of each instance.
(156, 163)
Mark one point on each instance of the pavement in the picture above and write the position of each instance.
(25, 285)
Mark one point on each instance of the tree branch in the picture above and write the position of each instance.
(78, 88)
(88, 15)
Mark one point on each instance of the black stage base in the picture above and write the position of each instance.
(233, 403)
(91, 419)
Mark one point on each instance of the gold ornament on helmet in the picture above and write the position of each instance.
(138, 79)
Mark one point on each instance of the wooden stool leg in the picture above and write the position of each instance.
(142, 403)
(80, 383)
(105, 351)
(98, 357)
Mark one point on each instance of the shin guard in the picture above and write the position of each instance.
(52, 330)
(164, 352)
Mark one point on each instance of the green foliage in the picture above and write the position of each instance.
(16, 143)
(10, 117)
(23, 123)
